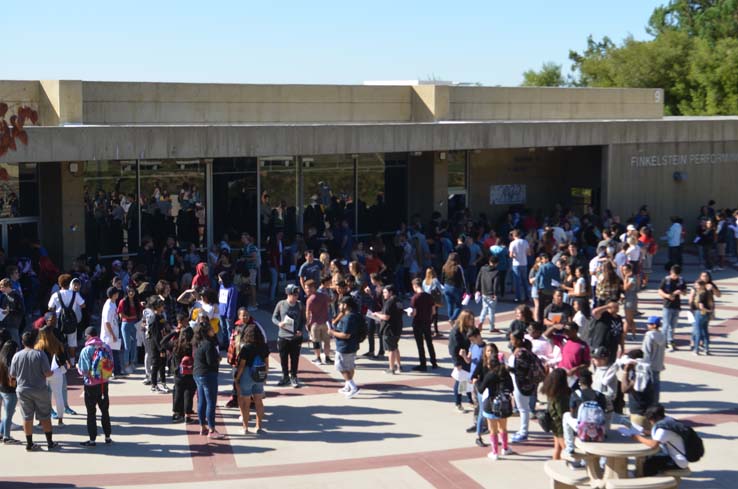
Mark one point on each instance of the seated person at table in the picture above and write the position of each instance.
(578, 397)
(672, 455)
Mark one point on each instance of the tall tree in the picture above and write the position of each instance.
(548, 76)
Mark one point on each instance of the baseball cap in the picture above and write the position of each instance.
(630, 227)
(91, 331)
(292, 289)
(654, 320)
(600, 352)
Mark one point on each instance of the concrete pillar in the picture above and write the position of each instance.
(440, 183)
(72, 210)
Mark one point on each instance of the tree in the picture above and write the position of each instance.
(548, 76)
(9, 133)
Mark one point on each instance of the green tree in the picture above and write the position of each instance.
(548, 76)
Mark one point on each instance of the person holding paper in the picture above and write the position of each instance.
(391, 327)
(289, 316)
(422, 305)
(558, 312)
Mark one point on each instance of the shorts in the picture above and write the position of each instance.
(630, 305)
(721, 249)
(35, 402)
(252, 276)
(248, 386)
(390, 342)
(487, 415)
(72, 340)
(345, 362)
(319, 333)
(534, 292)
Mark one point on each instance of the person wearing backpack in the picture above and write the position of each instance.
(679, 443)
(253, 366)
(589, 425)
(346, 332)
(494, 386)
(635, 380)
(11, 303)
(96, 368)
(184, 382)
(527, 371)
(68, 305)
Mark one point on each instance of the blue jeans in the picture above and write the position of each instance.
(226, 328)
(671, 321)
(489, 307)
(699, 331)
(453, 301)
(9, 402)
(207, 395)
(129, 343)
(520, 282)
(15, 336)
(400, 274)
(480, 418)
(656, 381)
(117, 362)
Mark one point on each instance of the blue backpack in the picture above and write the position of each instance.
(258, 369)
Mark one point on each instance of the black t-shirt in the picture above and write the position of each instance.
(607, 332)
(393, 308)
(423, 304)
(249, 351)
(564, 308)
(670, 286)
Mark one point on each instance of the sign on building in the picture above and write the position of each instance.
(507, 194)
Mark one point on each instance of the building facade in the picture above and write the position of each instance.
(202, 161)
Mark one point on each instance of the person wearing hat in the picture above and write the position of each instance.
(95, 384)
(654, 349)
(289, 316)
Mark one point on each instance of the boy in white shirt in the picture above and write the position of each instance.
(110, 330)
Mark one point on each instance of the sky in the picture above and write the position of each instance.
(316, 42)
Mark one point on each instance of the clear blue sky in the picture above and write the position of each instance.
(289, 41)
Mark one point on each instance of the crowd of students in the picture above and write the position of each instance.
(173, 313)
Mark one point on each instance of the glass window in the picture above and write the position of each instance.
(173, 201)
(111, 210)
(234, 198)
(382, 192)
(328, 188)
(278, 201)
(18, 190)
(456, 170)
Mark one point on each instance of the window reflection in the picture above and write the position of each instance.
(278, 187)
(18, 190)
(234, 198)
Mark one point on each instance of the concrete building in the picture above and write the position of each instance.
(198, 160)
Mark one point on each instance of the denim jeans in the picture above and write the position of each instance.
(453, 301)
(671, 321)
(656, 381)
(129, 344)
(226, 328)
(489, 307)
(207, 396)
(522, 402)
(10, 400)
(520, 282)
(117, 362)
(699, 331)
(570, 430)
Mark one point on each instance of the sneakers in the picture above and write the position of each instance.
(328, 361)
(130, 369)
(283, 382)
(352, 393)
(390, 371)
(480, 443)
(214, 435)
(70, 411)
(54, 415)
(88, 444)
(506, 451)
(154, 388)
(147, 382)
(672, 347)
(368, 354)
(344, 390)
(518, 437)
(295, 383)
(316, 361)
(52, 445)
(472, 429)
(492, 456)
(164, 389)
(459, 409)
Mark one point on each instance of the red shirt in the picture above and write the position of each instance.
(316, 308)
(573, 352)
(373, 265)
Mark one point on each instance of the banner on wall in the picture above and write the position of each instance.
(507, 194)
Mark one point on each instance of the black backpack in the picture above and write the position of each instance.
(67, 318)
(693, 447)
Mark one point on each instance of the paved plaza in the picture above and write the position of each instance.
(400, 431)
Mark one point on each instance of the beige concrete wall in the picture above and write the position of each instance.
(542, 103)
(644, 174)
(184, 103)
(19, 93)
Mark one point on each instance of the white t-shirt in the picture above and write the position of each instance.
(633, 253)
(673, 444)
(519, 249)
(620, 260)
(594, 264)
(580, 286)
(110, 315)
(66, 296)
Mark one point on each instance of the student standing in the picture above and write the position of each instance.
(95, 385)
(494, 380)
(289, 316)
(671, 290)
(654, 347)
(110, 330)
(130, 312)
(422, 305)
(7, 392)
(391, 327)
(253, 356)
(205, 372)
(487, 285)
(346, 334)
(556, 389)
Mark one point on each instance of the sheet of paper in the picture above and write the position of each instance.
(408, 311)
(289, 324)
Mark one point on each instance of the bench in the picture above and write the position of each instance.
(642, 483)
(563, 477)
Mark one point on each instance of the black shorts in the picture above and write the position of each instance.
(390, 342)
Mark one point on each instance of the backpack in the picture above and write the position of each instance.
(67, 318)
(101, 365)
(186, 365)
(642, 376)
(258, 369)
(590, 421)
(502, 405)
(693, 446)
(362, 330)
(545, 420)
(529, 371)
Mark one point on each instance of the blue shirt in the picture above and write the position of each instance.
(348, 324)
(546, 273)
(475, 352)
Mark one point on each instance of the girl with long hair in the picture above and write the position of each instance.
(454, 285)
(48, 343)
(253, 350)
(7, 392)
(432, 286)
(494, 380)
(130, 312)
(205, 372)
(184, 382)
(458, 348)
(557, 391)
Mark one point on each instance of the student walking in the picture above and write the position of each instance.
(289, 316)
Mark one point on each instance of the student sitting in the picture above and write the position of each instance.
(673, 453)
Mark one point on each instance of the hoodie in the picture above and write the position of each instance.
(200, 279)
(84, 365)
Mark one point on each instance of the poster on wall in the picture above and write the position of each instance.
(507, 194)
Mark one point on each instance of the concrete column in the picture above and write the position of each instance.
(72, 210)
(50, 206)
(60, 102)
(440, 183)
